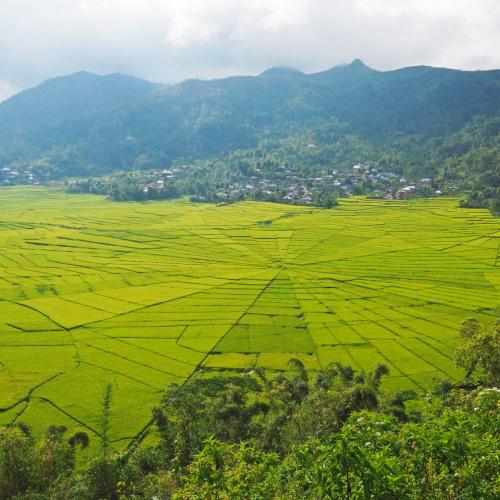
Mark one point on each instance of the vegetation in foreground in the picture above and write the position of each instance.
(335, 436)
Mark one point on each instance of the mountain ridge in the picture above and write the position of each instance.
(115, 121)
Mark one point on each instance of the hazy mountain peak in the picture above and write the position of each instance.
(282, 71)
(359, 64)
(70, 97)
(356, 66)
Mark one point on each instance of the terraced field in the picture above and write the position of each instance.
(144, 295)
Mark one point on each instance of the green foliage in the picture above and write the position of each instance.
(105, 418)
(272, 416)
(479, 352)
(36, 465)
(419, 120)
(449, 450)
(15, 462)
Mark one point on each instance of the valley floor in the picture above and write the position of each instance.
(145, 295)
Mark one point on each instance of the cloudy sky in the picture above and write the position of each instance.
(170, 40)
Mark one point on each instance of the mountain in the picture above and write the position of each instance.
(67, 98)
(83, 123)
(280, 71)
(355, 69)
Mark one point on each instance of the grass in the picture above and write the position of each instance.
(144, 295)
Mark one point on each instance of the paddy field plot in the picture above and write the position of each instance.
(145, 295)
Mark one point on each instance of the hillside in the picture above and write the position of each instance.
(85, 124)
(69, 98)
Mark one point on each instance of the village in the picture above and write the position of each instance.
(283, 184)
(291, 187)
(10, 176)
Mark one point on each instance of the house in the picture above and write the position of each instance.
(405, 192)
(387, 175)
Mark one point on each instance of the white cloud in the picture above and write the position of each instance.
(169, 40)
(6, 90)
(185, 31)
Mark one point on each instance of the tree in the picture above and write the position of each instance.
(105, 419)
(479, 352)
(15, 462)
(53, 456)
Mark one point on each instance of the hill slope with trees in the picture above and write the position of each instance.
(431, 120)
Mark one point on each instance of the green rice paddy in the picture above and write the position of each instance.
(144, 295)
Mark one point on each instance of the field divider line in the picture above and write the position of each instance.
(427, 336)
(186, 257)
(259, 294)
(81, 249)
(18, 327)
(36, 345)
(77, 350)
(138, 381)
(288, 245)
(67, 299)
(353, 258)
(173, 299)
(96, 269)
(317, 244)
(23, 304)
(247, 253)
(118, 440)
(487, 235)
(380, 353)
(106, 244)
(165, 372)
(78, 421)
(306, 324)
(425, 341)
(105, 232)
(363, 256)
(418, 335)
(426, 320)
(388, 281)
(30, 392)
(100, 294)
(144, 307)
(143, 433)
(422, 359)
(250, 251)
(119, 339)
(331, 278)
(468, 259)
(24, 405)
(342, 345)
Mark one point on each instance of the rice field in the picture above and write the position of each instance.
(144, 295)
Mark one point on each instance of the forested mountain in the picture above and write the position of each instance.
(69, 98)
(85, 124)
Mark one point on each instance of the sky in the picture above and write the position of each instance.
(171, 40)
